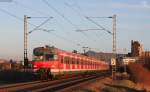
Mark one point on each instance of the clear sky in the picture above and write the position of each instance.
(133, 23)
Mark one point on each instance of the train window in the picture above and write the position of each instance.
(66, 60)
(55, 57)
(72, 60)
(51, 57)
(38, 58)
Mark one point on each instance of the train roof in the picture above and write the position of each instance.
(47, 49)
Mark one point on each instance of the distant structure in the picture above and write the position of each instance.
(136, 49)
(3, 60)
(100, 55)
(146, 54)
(104, 56)
(8, 65)
(139, 53)
(4, 65)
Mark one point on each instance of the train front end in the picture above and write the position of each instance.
(45, 61)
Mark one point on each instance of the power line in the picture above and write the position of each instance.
(10, 14)
(70, 41)
(73, 9)
(40, 24)
(37, 11)
(86, 29)
(54, 9)
(59, 13)
(79, 8)
(99, 25)
(37, 27)
(18, 18)
(88, 18)
(28, 7)
(82, 16)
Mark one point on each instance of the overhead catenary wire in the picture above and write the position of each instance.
(87, 29)
(33, 10)
(60, 14)
(54, 9)
(16, 17)
(10, 14)
(109, 32)
(65, 18)
(99, 25)
(13, 15)
(29, 8)
(20, 19)
(36, 11)
(39, 12)
(82, 16)
(79, 8)
(88, 18)
(73, 9)
(40, 24)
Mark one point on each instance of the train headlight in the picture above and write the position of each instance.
(53, 66)
(34, 66)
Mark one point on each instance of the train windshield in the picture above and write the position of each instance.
(46, 57)
(38, 58)
(51, 57)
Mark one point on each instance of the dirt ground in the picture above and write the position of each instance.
(107, 85)
(93, 86)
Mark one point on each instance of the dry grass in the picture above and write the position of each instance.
(107, 85)
(93, 86)
(139, 74)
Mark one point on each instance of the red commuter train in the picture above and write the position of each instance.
(58, 61)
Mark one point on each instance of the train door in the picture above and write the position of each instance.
(62, 63)
(78, 66)
(65, 63)
(84, 64)
(70, 63)
(75, 63)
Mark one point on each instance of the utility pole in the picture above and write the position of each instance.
(114, 48)
(114, 34)
(114, 43)
(26, 33)
(25, 42)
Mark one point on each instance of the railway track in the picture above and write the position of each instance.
(47, 86)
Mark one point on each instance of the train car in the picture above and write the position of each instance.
(56, 61)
